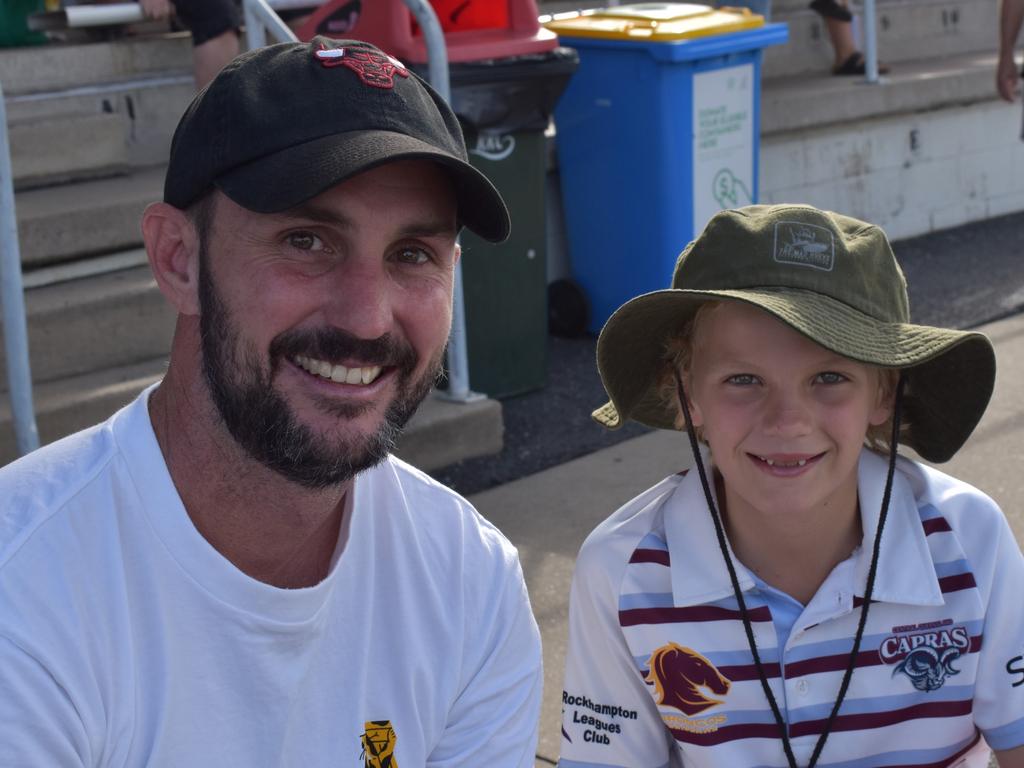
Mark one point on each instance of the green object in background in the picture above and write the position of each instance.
(14, 22)
(505, 106)
(505, 285)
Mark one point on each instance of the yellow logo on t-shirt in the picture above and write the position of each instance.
(379, 744)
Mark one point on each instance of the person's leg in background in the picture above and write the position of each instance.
(847, 59)
(214, 25)
(210, 57)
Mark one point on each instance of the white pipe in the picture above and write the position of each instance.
(870, 43)
(255, 34)
(101, 89)
(75, 16)
(260, 18)
(437, 74)
(12, 296)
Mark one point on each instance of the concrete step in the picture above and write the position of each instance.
(908, 30)
(439, 434)
(91, 132)
(96, 323)
(56, 224)
(61, 66)
(56, 150)
(814, 102)
(68, 405)
(931, 148)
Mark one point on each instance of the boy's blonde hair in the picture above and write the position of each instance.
(678, 355)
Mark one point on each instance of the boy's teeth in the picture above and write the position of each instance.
(772, 462)
(338, 373)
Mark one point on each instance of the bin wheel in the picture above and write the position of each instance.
(567, 309)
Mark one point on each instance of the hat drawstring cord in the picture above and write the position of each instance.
(868, 590)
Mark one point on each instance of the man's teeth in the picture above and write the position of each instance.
(338, 373)
(774, 463)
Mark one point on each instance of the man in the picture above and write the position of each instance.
(232, 571)
(1011, 14)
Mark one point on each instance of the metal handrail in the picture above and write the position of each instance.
(870, 43)
(12, 296)
(437, 74)
(259, 18)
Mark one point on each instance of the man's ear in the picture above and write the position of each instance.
(172, 245)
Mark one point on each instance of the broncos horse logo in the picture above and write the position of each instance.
(678, 674)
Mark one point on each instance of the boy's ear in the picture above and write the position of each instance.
(885, 403)
(172, 245)
(696, 415)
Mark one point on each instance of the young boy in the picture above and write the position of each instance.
(799, 598)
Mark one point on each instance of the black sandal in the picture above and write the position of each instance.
(831, 9)
(855, 65)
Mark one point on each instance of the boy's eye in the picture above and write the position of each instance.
(742, 379)
(413, 255)
(305, 241)
(830, 377)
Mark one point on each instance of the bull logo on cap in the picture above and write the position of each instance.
(678, 674)
(374, 68)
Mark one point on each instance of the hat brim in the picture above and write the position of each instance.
(949, 374)
(284, 179)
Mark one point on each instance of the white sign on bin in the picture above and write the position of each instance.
(723, 141)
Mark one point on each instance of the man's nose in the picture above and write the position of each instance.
(359, 300)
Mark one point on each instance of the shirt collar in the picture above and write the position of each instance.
(906, 573)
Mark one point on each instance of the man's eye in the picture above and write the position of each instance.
(413, 255)
(305, 241)
(742, 379)
(831, 377)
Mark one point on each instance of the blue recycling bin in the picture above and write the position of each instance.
(657, 131)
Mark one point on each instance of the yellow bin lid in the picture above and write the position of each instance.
(655, 21)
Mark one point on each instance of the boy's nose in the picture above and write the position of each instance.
(786, 417)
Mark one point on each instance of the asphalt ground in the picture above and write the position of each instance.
(958, 278)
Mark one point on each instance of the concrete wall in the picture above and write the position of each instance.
(911, 174)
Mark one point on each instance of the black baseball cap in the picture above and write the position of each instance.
(282, 124)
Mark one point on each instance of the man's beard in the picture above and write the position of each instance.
(262, 422)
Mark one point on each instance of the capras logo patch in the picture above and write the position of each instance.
(926, 653)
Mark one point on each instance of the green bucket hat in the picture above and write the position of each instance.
(830, 277)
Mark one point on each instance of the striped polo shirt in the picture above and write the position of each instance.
(659, 672)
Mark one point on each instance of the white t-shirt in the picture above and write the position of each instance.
(659, 671)
(127, 640)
